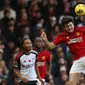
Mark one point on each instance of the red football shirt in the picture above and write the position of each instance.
(43, 57)
(75, 41)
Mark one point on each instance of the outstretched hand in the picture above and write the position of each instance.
(43, 36)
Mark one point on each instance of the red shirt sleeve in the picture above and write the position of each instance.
(18, 56)
(59, 39)
(81, 28)
(17, 60)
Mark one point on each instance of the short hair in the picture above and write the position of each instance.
(22, 41)
(37, 39)
(67, 19)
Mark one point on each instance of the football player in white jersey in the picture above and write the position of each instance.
(25, 67)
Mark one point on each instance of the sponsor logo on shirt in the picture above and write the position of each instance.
(27, 66)
(75, 40)
(40, 63)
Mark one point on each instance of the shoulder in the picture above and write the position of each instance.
(63, 34)
(19, 55)
(33, 52)
(80, 28)
(47, 52)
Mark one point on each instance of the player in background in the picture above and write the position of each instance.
(25, 61)
(43, 60)
(74, 38)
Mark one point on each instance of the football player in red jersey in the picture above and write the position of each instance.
(25, 62)
(43, 60)
(74, 38)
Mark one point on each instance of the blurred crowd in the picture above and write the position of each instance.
(20, 18)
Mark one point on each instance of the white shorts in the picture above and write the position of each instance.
(78, 66)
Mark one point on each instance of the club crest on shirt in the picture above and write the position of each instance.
(43, 57)
(77, 33)
(67, 37)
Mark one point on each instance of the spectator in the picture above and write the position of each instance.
(11, 11)
(23, 19)
(4, 82)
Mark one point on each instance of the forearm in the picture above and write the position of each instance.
(49, 65)
(49, 69)
(38, 75)
(17, 74)
(37, 71)
(50, 45)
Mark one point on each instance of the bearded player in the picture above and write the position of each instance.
(74, 38)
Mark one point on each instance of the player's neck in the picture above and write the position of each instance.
(27, 52)
(39, 49)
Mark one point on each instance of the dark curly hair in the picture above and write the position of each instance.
(22, 41)
(67, 19)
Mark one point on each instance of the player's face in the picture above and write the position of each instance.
(69, 27)
(27, 44)
(38, 43)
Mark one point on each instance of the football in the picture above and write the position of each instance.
(80, 9)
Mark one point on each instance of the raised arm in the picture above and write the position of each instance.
(60, 38)
(50, 45)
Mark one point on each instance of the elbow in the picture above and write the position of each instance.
(52, 46)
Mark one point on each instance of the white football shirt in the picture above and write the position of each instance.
(26, 63)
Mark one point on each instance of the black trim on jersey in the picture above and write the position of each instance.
(34, 53)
